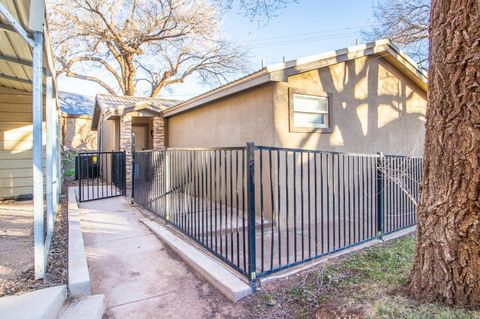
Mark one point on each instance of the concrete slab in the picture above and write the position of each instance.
(229, 284)
(139, 276)
(78, 276)
(86, 307)
(38, 304)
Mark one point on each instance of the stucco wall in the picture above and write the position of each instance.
(373, 108)
(232, 121)
(110, 130)
(78, 134)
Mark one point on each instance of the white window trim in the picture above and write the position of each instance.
(320, 128)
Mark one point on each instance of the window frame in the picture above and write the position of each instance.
(314, 93)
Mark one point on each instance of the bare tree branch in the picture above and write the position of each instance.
(160, 42)
(261, 10)
(91, 78)
(405, 22)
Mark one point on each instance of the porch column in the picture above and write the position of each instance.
(126, 145)
(37, 105)
(158, 141)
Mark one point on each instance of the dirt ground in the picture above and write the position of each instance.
(16, 248)
(16, 239)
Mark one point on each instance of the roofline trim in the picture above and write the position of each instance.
(138, 106)
(270, 73)
(250, 81)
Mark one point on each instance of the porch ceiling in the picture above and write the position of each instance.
(15, 53)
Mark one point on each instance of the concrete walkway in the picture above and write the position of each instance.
(138, 275)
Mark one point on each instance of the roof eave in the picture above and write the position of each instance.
(135, 107)
(281, 71)
(96, 115)
(253, 80)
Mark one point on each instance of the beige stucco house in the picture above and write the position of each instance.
(126, 123)
(368, 98)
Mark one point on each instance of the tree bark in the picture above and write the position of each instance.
(447, 257)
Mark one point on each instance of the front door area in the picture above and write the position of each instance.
(140, 137)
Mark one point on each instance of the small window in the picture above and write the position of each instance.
(309, 112)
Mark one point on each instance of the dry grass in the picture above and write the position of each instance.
(365, 284)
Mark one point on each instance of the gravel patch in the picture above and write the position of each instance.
(16, 249)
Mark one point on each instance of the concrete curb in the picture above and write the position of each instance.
(86, 307)
(310, 265)
(78, 276)
(215, 273)
(38, 304)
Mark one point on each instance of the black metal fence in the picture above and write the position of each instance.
(100, 175)
(263, 209)
(202, 193)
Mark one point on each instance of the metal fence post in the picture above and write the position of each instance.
(124, 173)
(167, 186)
(252, 265)
(380, 194)
(78, 164)
(133, 178)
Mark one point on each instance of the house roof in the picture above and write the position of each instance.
(76, 104)
(115, 105)
(281, 71)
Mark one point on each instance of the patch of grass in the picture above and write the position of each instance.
(366, 284)
(401, 307)
(69, 172)
(389, 264)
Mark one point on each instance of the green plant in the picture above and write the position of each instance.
(69, 172)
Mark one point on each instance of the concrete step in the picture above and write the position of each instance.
(38, 304)
(86, 307)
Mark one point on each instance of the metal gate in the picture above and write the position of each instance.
(100, 175)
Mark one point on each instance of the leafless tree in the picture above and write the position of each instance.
(260, 10)
(405, 22)
(121, 43)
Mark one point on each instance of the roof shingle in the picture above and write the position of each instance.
(76, 104)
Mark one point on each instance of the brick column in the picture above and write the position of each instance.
(126, 145)
(158, 133)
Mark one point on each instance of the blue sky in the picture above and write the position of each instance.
(301, 29)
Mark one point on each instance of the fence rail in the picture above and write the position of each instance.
(263, 209)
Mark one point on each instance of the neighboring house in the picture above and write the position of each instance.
(126, 122)
(77, 111)
(368, 98)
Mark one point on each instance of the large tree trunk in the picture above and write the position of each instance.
(447, 257)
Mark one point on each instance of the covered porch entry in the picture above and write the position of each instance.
(128, 124)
